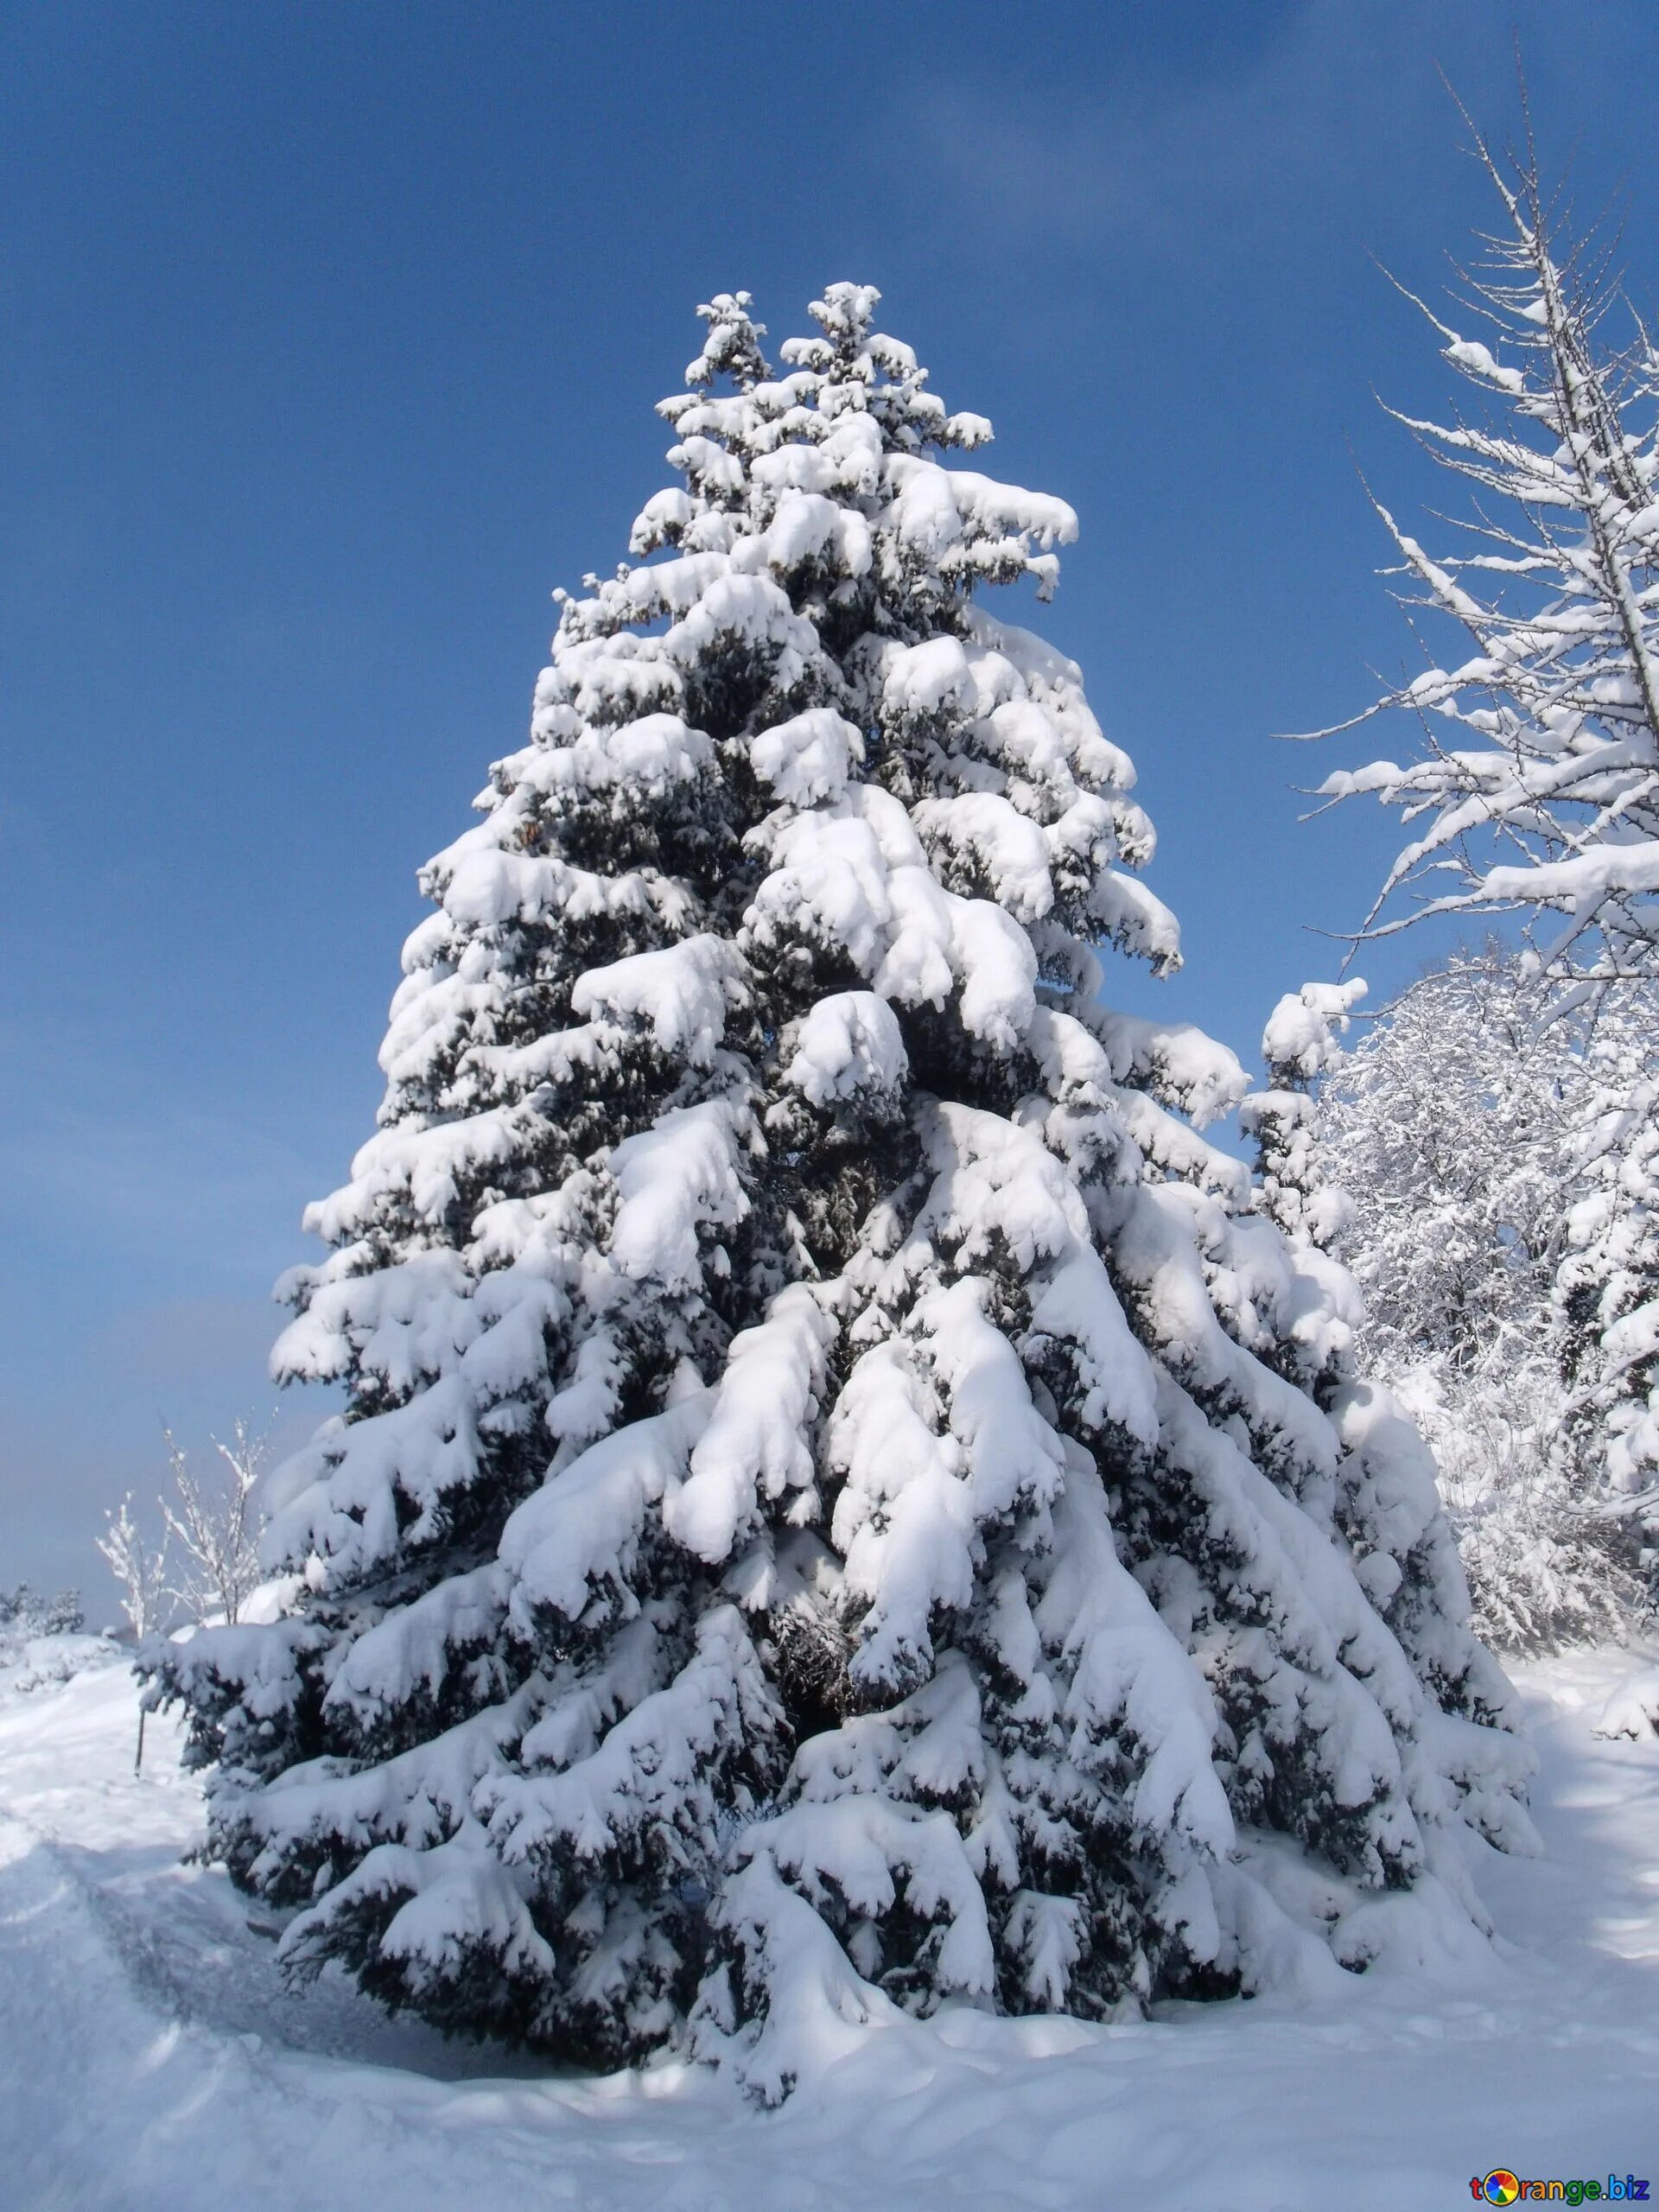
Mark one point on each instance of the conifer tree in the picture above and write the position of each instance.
(843, 1500)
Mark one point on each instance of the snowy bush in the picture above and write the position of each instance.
(1544, 1569)
(1633, 1708)
(25, 1613)
(844, 1500)
(41, 1641)
(1465, 1130)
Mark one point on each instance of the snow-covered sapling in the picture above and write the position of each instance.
(216, 1524)
(140, 1575)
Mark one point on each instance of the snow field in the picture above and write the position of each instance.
(153, 2062)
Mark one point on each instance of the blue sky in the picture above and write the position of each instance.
(329, 338)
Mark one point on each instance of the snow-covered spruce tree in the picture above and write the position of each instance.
(842, 1501)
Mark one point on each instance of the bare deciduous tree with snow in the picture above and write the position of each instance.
(1542, 795)
(215, 1522)
(1607, 1286)
(1452, 1129)
(140, 1570)
(1536, 789)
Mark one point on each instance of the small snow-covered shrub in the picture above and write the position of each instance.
(26, 1613)
(41, 1641)
(1633, 1708)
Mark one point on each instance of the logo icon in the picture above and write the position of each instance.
(1500, 2186)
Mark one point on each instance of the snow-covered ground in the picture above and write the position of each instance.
(151, 2060)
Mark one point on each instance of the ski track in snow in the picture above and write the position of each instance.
(151, 2060)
